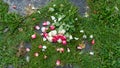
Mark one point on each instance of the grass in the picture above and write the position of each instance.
(103, 23)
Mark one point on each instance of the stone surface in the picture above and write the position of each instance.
(19, 6)
(82, 5)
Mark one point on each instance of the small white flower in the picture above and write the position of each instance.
(27, 58)
(70, 37)
(44, 47)
(84, 36)
(44, 39)
(61, 31)
(43, 29)
(81, 31)
(76, 38)
(53, 18)
(91, 53)
(91, 36)
(51, 9)
(59, 40)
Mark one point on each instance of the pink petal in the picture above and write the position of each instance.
(44, 24)
(40, 46)
(64, 42)
(52, 27)
(37, 27)
(27, 49)
(93, 42)
(33, 36)
(58, 62)
(36, 54)
(45, 34)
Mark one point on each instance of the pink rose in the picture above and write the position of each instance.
(45, 35)
(52, 27)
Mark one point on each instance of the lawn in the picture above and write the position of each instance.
(101, 21)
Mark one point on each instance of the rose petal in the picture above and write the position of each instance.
(40, 46)
(64, 42)
(58, 62)
(36, 54)
(27, 49)
(33, 36)
(52, 27)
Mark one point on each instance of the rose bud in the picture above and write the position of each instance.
(37, 27)
(58, 62)
(33, 36)
(93, 42)
(52, 27)
(36, 54)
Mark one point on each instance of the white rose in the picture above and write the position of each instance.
(61, 31)
(53, 33)
(49, 39)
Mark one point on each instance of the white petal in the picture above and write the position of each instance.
(52, 17)
(81, 31)
(44, 47)
(91, 53)
(49, 39)
(61, 31)
(44, 39)
(27, 58)
(53, 33)
(43, 29)
(59, 40)
(70, 37)
(84, 36)
(76, 38)
(91, 36)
